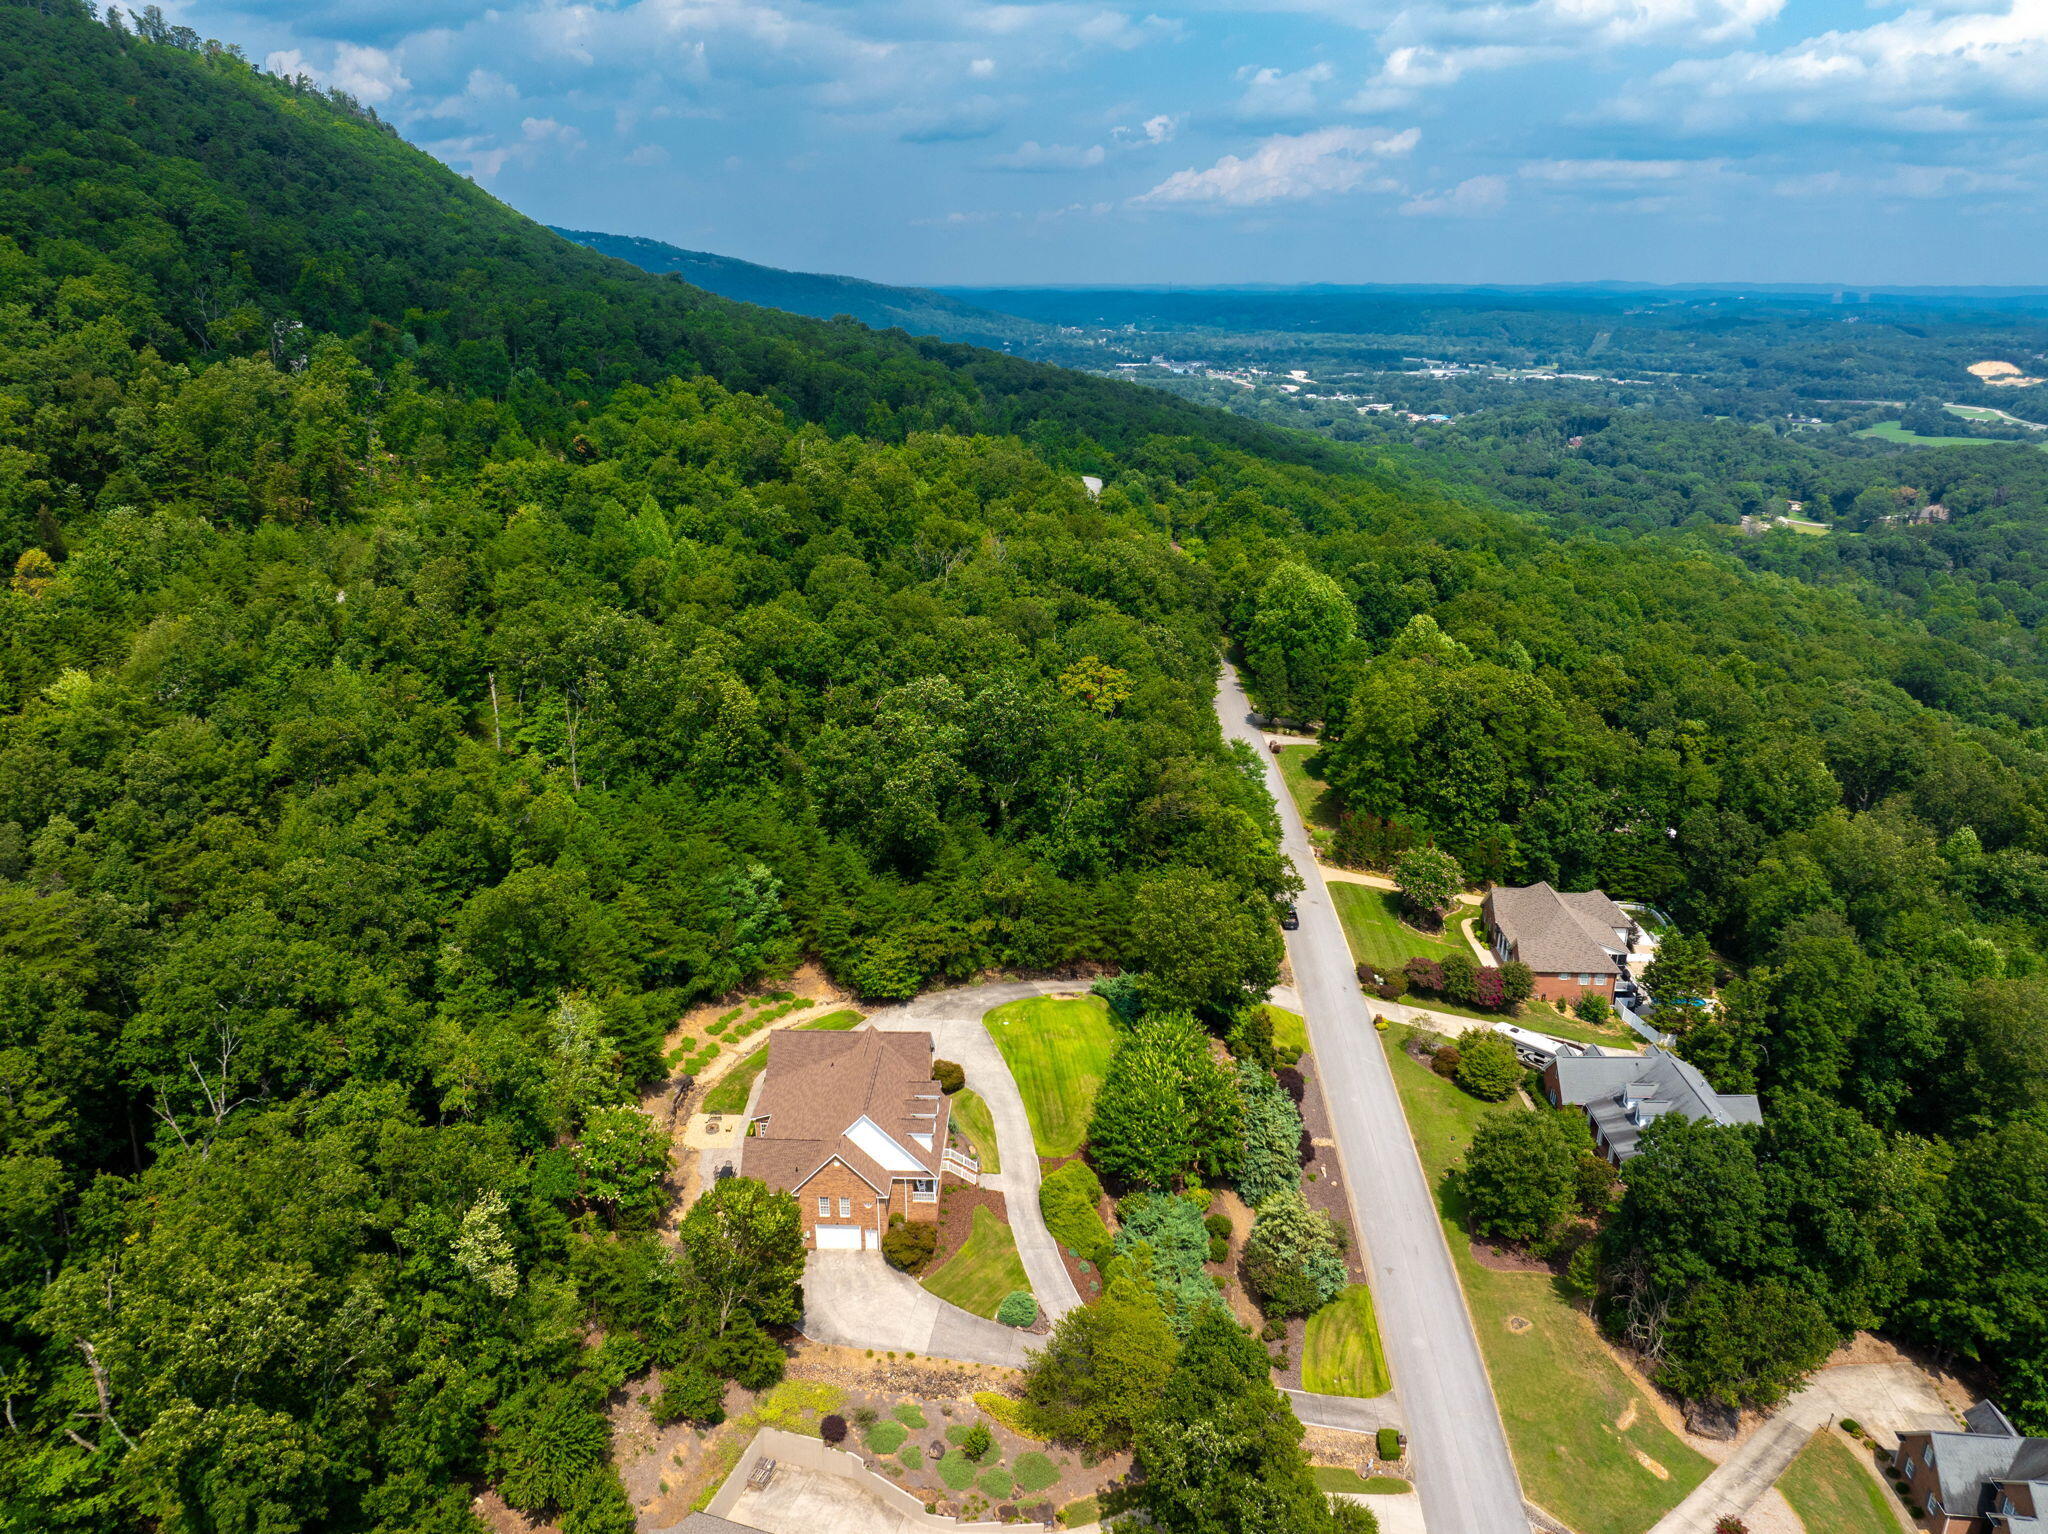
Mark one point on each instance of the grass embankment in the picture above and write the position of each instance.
(983, 1271)
(1833, 1494)
(1342, 1355)
(1335, 1478)
(971, 1117)
(1290, 1029)
(1313, 800)
(1058, 1050)
(1562, 1395)
(1378, 936)
(737, 1085)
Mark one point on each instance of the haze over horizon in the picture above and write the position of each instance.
(981, 143)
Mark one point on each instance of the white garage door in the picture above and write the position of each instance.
(838, 1238)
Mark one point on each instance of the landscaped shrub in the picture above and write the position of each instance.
(1460, 972)
(1487, 1067)
(950, 1077)
(832, 1429)
(690, 1395)
(1444, 1060)
(1852, 1427)
(1293, 1262)
(1034, 1472)
(909, 1244)
(1122, 994)
(974, 1440)
(1293, 1083)
(1068, 1198)
(1217, 1225)
(1173, 1229)
(911, 1458)
(1219, 1248)
(995, 1482)
(1730, 1525)
(1010, 1412)
(956, 1470)
(1387, 1443)
(1424, 975)
(1250, 1039)
(911, 1415)
(1018, 1309)
(1269, 1158)
(887, 1437)
(864, 1417)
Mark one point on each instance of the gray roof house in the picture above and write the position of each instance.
(1624, 1094)
(1573, 940)
(1986, 1478)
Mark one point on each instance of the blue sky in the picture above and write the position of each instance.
(1071, 141)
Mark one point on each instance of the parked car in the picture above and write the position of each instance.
(1290, 919)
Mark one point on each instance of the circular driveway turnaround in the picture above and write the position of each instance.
(856, 1300)
(953, 1018)
(1464, 1472)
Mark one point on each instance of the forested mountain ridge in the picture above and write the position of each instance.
(917, 310)
(436, 655)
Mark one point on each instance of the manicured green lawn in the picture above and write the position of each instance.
(1560, 1392)
(730, 1095)
(1312, 797)
(1892, 431)
(981, 1273)
(1372, 923)
(1344, 1478)
(1290, 1029)
(971, 1118)
(834, 1022)
(1058, 1051)
(1342, 1356)
(1830, 1491)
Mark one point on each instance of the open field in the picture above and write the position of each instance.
(1563, 1398)
(1058, 1050)
(1892, 431)
(971, 1118)
(1342, 1355)
(983, 1271)
(1373, 925)
(1834, 1494)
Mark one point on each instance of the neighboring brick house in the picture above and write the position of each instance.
(1572, 943)
(1985, 1480)
(855, 1127)
(1624, 1094)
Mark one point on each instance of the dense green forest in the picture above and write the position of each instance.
(437, 654)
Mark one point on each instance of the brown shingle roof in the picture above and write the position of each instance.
(1555, 933)
(818, 1089)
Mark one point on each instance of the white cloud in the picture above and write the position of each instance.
(1616, 172)
(370, 75)
(981, 69)
(1032, 155)
(1917, 72)
(1153, 130)
(1474, 197)
(1284, 168)
(647, 155)
(1273, 93)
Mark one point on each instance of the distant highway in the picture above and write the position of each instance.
(1463, 1470)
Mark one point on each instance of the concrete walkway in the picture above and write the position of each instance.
(1464, 1473)
(856, 1300)
(1885, 1398)
(1346, 1414)
(953, 1018)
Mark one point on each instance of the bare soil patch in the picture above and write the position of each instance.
(1507, 1258)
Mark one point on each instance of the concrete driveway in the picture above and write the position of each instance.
(1463, 1470)
(856, 1300)
(953, 1018)
(1885, 1398)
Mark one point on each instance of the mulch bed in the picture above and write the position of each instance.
(1323, 1186)
(1508, 1259)
(957, 1203)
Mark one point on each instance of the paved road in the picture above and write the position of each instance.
(1463, 1471)
(954, 1021)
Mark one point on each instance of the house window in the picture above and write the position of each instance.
(846, 1209)
(824, 1206)
(1585, 980)
(1934, 1505)
(1907, 1466)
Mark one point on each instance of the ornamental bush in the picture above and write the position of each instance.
(1388, 1443)
(1268, 1160)
(1018, 1308)
(1292, 1263)
(887, 1437)
(832, 1428)
(909, 1244)
(1487, 1067)
(950, 1077)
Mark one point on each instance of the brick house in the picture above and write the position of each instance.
(1984, 1480)
(1573, 943)
(855, 1127)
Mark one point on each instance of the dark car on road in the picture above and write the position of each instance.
(1290, 919)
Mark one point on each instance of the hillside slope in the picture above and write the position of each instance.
(917, 310)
